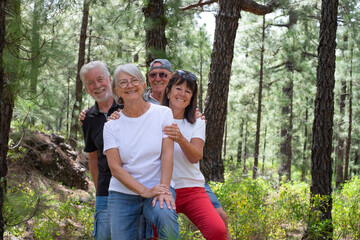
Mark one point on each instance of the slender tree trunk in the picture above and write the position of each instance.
(4, 123)
(258, 120)
(356, 162)
(340, 146)
(35, 46)
(321, 162)
(239, 152)
(287, 109)
(348, 139)
(155, 24)
(286, 131)
(68, 107)
(263, 163)
(200, 102)
(304, 163)
(225, 137)
(245, 148)
(81, 61)
(89, 45)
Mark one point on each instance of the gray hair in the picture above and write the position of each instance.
(91, 65)
(128, 68)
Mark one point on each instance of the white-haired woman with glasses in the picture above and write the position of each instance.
(140, 157)
(188, 132)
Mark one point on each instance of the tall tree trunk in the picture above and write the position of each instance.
(286, 130)
(263, 163)
(348, 139)
(4, 123)
(258, 120)
(239, 151)
(246, 151)
(304, 163)
(155, 23)
(35, 46)
(81, 61)
(340, 146)
(8, 77)
(356, 162)
(89, 45)
(225, 137)
(287, 108)
(200, 98)
(68, 106)
(218, 87)
(321, 162)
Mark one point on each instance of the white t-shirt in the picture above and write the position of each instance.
(186, 174)
(139, 141)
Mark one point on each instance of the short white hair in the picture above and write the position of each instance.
(91, 65)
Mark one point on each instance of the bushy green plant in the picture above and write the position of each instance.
(66, 218)
(258, 210)
(346, 210)
(245, 202)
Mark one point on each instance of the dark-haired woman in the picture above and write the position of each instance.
(189, 136)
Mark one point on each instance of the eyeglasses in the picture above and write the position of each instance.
(187, 74)
(123, 83)
(154, 75)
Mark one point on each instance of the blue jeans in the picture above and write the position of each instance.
(214, 200)
(102, 223)
(125, 211)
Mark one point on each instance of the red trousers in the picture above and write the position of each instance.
(196, 205)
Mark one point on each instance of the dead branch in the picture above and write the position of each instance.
(198, 4)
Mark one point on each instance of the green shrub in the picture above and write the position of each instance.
(346, 210)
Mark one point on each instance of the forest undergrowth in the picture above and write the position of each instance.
(258, 209)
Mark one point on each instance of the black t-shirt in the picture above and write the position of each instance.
(93, 126)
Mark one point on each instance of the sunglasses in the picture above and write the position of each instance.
(154, 75)
(187, 74)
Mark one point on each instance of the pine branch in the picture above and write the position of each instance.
(199, 4)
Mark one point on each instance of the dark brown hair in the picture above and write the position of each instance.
(179, 78)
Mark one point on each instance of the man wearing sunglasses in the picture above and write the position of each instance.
(159, 75)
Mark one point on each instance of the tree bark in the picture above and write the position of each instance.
(246, 151)
(225, 138)
(304, 163)
(263, 163)
(35, 47)
(81, 61)
(348, 139)
(239, 151)
(321, 162)
(4, 123)
(286, 130)
(218, 87)
(258, 120)
(340, 146)
(155, 23)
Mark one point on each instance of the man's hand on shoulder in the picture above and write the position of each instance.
(82, 116)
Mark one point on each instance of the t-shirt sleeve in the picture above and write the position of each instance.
(109, 136)
(167, 120)
(199, 129)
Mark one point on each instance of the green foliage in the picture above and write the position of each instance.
(45, 214)
(258, 210)
(346, 210)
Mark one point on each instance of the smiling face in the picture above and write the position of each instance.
(159, 79)
(130, 92)
(179, 96)
(98, 85)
